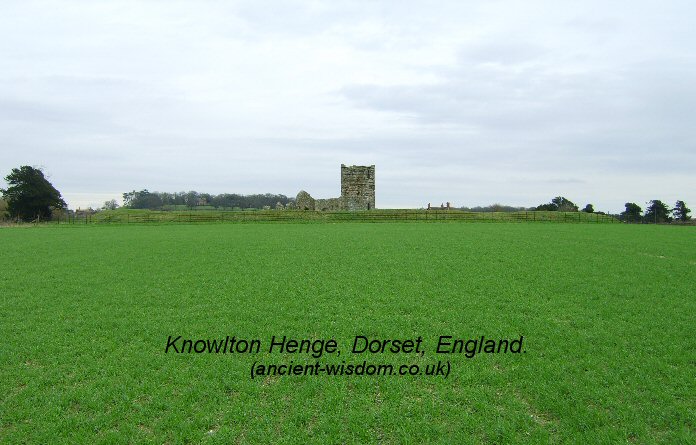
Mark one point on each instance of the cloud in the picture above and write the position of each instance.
(470, 103)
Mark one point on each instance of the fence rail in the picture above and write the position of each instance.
(298, 216)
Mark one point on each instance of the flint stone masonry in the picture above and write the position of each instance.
(328, 204)
(358, 187)
(357, 192)
(304, 201)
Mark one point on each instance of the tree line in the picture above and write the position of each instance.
(145, 199)
(557, 204)
(656, 212)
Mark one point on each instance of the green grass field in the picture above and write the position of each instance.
(607, 312)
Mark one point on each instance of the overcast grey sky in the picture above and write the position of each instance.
(512, 102)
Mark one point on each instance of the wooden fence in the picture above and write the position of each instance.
(298, 216)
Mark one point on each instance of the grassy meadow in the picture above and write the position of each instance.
(607, 312)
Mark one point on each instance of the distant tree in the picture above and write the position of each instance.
(559, 203)
(551, 207)
(167, 198)
(145, 199)
(223, 200)
(632, 212)
(191, 199)
(681, 212)
(206, 198)
(30, 195)
(128, 198)
(111, 204)
(588, 209)
(3, 209)
(142, 200)
(495, 208)
(564, 205)
(657, 212)
(179, 198)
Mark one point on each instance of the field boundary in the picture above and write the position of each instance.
(124, 216)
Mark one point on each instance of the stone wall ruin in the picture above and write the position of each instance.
(357, 192)
(304, 201)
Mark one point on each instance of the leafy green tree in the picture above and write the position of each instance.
(142, 200)
(192, 198)
(564, 204)
(30, 195)
(632, 212)
(657, 212)
(589, 208)
(205, 199)
(110, 205)
(547, 207)
(681, 212)
(559, 203)
(128, 198)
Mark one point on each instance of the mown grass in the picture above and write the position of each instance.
(607, 312)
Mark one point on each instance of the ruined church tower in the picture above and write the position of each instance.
(358, 187)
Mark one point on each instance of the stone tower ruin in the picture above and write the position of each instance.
(357, 192)
(358, 187)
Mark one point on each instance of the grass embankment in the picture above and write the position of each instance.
(388, 215)
(606, 312)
